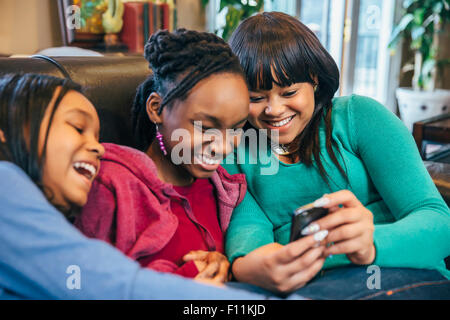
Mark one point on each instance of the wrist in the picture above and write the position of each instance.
(236, 268)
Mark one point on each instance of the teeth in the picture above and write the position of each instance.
(87, 166)
(281, 123)
(208, 160)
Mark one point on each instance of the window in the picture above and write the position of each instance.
(356, 33)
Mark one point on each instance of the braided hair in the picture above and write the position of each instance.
(179, 60)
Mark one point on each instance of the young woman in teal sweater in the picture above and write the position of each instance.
(348, 154)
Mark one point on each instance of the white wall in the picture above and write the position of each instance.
(28, 26)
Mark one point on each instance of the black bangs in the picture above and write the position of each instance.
(273, 55)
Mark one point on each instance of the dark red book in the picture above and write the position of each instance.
(165, 16)
(132, 34)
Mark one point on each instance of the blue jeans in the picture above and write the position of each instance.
(354, 282)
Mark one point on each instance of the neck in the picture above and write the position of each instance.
(168, 172)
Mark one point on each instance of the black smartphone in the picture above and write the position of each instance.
(302, 217)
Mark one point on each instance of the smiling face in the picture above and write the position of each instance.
(287, 110)
(72, 157)
(221, 103)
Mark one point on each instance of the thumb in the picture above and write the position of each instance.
(195, 255)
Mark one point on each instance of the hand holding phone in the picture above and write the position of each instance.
(302, 217)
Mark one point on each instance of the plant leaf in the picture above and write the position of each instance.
(417, 32)
(408, 3)
(399, 29)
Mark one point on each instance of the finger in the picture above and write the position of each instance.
(222, 274)
(346, 232)
(343, 197)
(209, 271)
(305, 261)
(333, 209)
(293, 250)
(195, 255)
(299, 279)
(347, 246)
(340, 217)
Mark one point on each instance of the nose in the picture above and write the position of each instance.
(220, 147)
(97, 148)
(274, 108)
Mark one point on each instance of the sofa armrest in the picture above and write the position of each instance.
(440, 173)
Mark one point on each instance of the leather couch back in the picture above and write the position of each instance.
(109, 83)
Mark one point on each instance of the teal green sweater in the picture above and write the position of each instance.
(385, 172)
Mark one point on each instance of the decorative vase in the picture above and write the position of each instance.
(417, 105)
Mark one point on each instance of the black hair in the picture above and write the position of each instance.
(179, 60)
(274, 47)
(24, 99)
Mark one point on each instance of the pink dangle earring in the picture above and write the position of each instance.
(159, 136)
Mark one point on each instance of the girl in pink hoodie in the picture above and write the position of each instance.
(168, 207)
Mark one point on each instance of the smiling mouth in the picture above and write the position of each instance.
(281, 123)
(207, 160)
(85, 169)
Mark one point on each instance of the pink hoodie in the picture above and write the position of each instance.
(129, 207)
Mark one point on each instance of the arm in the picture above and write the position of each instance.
(37, 245)
(258, 260)
(420, 235)
(249, 229)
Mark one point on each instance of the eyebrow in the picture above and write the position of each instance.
(215, 120)
(87, 115)
(82, 112)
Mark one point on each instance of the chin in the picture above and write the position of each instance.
(79, 201)
(201, 174)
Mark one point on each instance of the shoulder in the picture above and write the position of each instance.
(14, 179)
(121, 163)
(356, 104)
(11, 170)
(18, 193)
(360, 112)
(124, 155)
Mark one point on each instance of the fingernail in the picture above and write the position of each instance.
(319, 236)
(312, 228)
(321, 202)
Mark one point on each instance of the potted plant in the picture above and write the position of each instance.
(237, 10)
(423, 24)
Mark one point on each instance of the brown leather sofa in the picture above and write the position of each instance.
(110, 84)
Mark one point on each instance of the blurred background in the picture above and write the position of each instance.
(395, 51)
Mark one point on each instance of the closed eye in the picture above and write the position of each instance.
(256, 99)
(79, 129)
(289, 93)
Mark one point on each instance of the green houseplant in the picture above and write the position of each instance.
(423, 23)
(237, 10)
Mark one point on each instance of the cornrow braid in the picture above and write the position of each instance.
(179, 60)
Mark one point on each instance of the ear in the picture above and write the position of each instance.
(153, 104)
(315, 78)
(2, 137)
